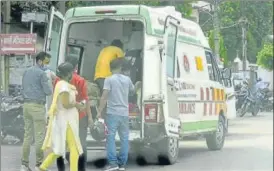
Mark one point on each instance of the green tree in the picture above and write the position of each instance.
(265, 57)
(185, 8)
(260, 24)
(222, 48)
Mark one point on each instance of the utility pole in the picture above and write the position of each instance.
(62, 7)
(244, 42)
(216, 26)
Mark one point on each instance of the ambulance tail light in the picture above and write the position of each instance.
(151, 112)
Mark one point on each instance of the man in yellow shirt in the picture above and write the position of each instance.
(107, 54)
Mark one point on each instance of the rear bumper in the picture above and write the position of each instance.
(153, 132)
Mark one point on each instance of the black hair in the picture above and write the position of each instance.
(73, 61)
(118, 43)
(116, 63)
(64, 69)
(41, 56)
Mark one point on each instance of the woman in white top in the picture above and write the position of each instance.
(64, 121)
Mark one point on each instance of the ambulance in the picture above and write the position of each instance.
(170, 56)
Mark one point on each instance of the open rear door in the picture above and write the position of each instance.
(53, 39)
(54, 33)
(169, 59)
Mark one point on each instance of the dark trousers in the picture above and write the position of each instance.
(100, 82)
(83, 125)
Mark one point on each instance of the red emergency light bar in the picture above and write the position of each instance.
(106, 12)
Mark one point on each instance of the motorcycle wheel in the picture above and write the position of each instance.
(243, 110)
(255, 111)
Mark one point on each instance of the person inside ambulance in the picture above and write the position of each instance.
(107, 54)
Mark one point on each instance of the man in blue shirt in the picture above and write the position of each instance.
(115, 95)
(36, 87)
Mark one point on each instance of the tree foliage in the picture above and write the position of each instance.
(222, 48)
(260, 24)
(265, 57)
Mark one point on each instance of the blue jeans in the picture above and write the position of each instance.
(118, 123)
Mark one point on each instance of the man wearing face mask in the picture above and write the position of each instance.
(35, 89)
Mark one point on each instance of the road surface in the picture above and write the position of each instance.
(249, 146)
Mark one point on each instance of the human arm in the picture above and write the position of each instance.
(55, 82)
(89, 114)
(134, 88)
(84, 94)
(64, 97)
(45, 84)
(119, 53)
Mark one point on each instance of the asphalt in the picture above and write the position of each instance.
(248, 146)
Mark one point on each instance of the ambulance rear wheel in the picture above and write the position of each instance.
(215, 140)
(168, 151)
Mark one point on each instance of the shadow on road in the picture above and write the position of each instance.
(245, 136)
(226, 160)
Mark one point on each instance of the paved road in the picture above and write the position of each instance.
(249, 146)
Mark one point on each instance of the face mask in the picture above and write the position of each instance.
(46, 61)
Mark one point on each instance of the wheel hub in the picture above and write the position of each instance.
(173, 146)
(220, 133)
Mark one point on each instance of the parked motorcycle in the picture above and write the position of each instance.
(12, 122)
(266, 100)
(241, 95)
(250, 104)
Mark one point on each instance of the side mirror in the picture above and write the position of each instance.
(226, 73)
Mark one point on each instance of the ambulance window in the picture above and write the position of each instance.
(170, 52)
(75, 51)
(213, 70)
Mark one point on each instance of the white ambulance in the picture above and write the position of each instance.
(169, 55)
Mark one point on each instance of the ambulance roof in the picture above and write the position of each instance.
(189, 31)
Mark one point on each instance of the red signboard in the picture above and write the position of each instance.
(17, 44)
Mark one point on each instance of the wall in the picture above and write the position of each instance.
(266, 76)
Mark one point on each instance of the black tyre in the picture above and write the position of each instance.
(168, 151)
(243, 110)
(215, 140)
(255, 111)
